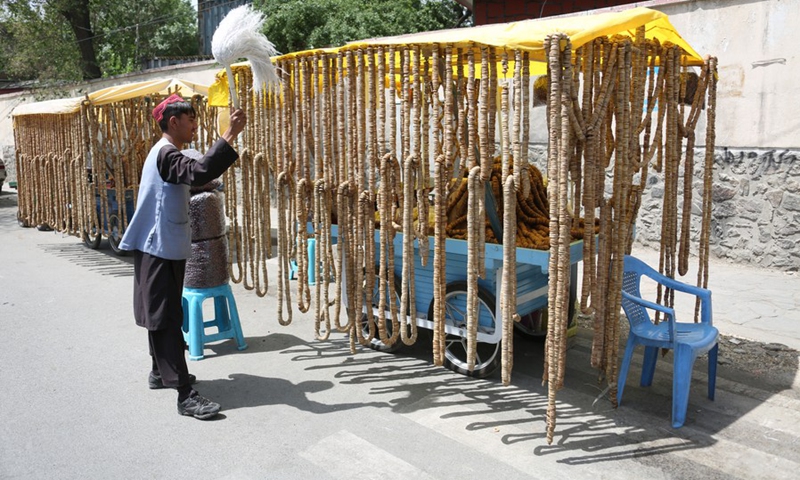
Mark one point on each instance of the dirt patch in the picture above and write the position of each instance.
(768, 360)
(774, 363)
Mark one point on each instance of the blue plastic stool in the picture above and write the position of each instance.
(226, 319)
(312, 258)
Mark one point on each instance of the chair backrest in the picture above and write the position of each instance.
(637, 314)
(636, 308)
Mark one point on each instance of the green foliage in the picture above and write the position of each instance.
(294, 25)
(41, 45)
(129, 30)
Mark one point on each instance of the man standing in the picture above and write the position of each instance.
(160, 237)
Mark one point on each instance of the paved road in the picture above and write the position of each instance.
(74, 401)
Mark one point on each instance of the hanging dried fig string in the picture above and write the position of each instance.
(508, 301)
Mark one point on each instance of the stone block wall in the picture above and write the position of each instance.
(755, 211)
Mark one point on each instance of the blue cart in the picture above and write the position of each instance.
(532, 290)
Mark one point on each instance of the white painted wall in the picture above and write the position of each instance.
(755, 43)
(756, 186)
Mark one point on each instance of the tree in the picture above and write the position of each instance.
(132, 30)
(81, 39)
(294, 25)
(39, 43)
(76, 13)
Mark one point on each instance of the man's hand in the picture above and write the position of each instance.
(237, 122)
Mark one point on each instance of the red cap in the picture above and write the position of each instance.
(158, 112)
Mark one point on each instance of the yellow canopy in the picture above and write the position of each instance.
(527, 35)
(117, 93)
(60, 106)
(141, 89)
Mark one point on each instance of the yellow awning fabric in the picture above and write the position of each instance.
(60, 106)
(141, 89)
(218, 95)
(527, 35)
(112, 94)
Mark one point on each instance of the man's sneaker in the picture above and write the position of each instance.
(198, 406)
(154, 381)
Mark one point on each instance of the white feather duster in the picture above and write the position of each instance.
(239, 36)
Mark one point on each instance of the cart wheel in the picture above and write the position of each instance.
(376, 343)
(488, 354)
(533, 325)
(92, 239)
(115, 236)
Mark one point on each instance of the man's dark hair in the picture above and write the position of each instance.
(175, 110)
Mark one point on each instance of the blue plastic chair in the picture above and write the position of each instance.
(687, 340)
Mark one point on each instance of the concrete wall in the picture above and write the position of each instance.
(755, 43)
(753, 40)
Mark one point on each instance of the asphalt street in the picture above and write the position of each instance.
(74, 402)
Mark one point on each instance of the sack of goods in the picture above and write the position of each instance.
(208, 265)
(207, 215)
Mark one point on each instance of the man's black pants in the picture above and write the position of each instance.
(169, 357)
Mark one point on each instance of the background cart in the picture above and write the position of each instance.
(111, 219)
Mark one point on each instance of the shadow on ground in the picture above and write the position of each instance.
(589, 429)
(269, 343)
(243, 390)
(102, 261)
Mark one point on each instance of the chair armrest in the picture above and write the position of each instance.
(672, 283)
(667, 311)
(633, 264)
(702, 293)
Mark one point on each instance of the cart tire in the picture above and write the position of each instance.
(376, 343)
(533, 325)
(488, 354)
(115, 236)
(92, 240)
